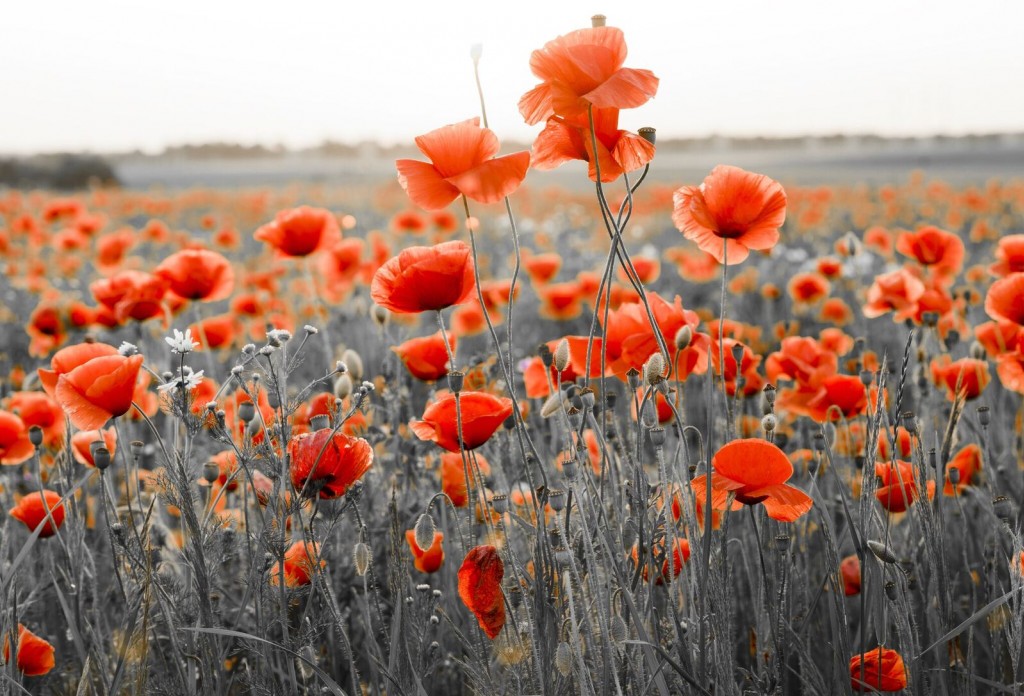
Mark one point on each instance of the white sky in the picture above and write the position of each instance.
(113, 75)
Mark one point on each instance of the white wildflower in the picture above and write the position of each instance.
(182, 342)
(189, 381)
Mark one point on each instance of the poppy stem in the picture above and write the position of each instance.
(322, 310)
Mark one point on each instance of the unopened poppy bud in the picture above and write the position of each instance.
(617, 630)
(455, 381)
(545, 354)
(211, 472)
(684, 336)
(343, 386)
(654, 369)
(560, 359)
(361, 558)
(379, 315)
(500, 504)
(658, 436)
(881, 551)
(100, 455)
(649, 417)
(320, 422)
(769, 422)
(556, 499)
(423, 532)
(648, 134)
(633, 378)
(246, 411)
(563, 654)
(551, 406)
(35, 435)
(984, 416)
(354, 363)
(598, 20)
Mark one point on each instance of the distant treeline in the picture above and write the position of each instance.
(60, 171)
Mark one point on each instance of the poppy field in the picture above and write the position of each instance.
(466, 432)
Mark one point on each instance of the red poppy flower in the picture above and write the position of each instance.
(331, 461)
(541, 267)
(340, 265)
(968, 463)
(843, 392)
(227, 466)
(972, 375)
(647, 270)
(849, 568)
(428, 561)
(1010, 256)
(198, 274)
(15, 446)
(733, 208)
(747, 368)
(560, 301)
(618, 151)
(98, 390)
(216, 332)
(132, 295)
(462, 162)
(680, 555)
(480, 588)
(46, 328)
(34, 654)
(39, 408)
(897, 488)
(408, 221)
(1005, 299)
(82, 441)
(754, 471)
(298, 565)
(630, 340)
(808, 288)
(453, 476)
(583, 69)
(899, 290)
(940, 251)
(482, 414)
(32, 508)
(426, 358)
(880, 669)
(423, 279)
(300, 231)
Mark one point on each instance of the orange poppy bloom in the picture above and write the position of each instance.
(426, 358)
(32, 508)
(300, 231)
(15, 446)
(849, 568)
(408, 221)
(880, 240)
(897, 291)
(46, 328)
(583, 69)
(680, 555)
(830, 267)
(423, 279)
(39, 408)
(753, 471)
(330, 461)
(843, 392)
(560, 301)
(968, 463)
(747, 368)
(940, 251)
(67, 359)
(480, 588)
(835, 311)
(732, 212)
(468, 319)
(972, 375)
(1010, 369)
(482, 414)
(1009, 256)
(462, 162)
(216, 332)
(880, 669)
(1005, 299)
(897, 489)
(298, 565)
(453, 476)
(34, 654)
(541, 267)
(808, 288)
(98, 390)
(82, 441)
(618, 151)
(198, 274)
(428, 561)
(340, 264)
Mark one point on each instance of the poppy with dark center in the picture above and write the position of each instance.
(299, 561)
(879, 669)
(1009, 256)
(132, 295)
(583, 69)
(1005, 299)
(835, 396)
(301, 231)
(733, 212)
(428, 561)
(480, 588)
(426, 358)
(941, 252)
(808, 288)
(98, 390)
(560, 301)
(32, 510)
(15, 446)
(541, 267)
(753, 471)
(462, 162)
(39, 408)
(897, 488)
(34, 654)
(46, 328)
(331, 461)
(482, 414)
(198, 274)
(423, 279)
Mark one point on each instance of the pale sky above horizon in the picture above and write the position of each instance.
(114, 75)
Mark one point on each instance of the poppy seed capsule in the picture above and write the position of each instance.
(657, 436)
(647, 133)
(556, 499)
(737, 354)
(35, 435)
(569, 469)
(598, 20)
(423, 532)
(954, 475)
(984, 416)
(320, 422)
(560, 359)
(1003, 508)
(633, 378)
(909, 422)
(100, 455)
(455, 381)
(769, 393)
(361, 558)
(137, 447)
(273, 399)
(587, 397)
(890, 590)
(211, 472)
(500, 504)
(246, 411)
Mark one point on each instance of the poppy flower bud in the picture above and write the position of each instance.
(598, 20)
(246, 411)
(211, 472)
(563, 658)
(556, 499)
(684, 336)
(648, 134)
(423, 532)
(320, 422)
(551, 406)
(455, 381)
(769, 422)
(617, 630)
(100, 455)
(35, 435)
(649, 418)
(354, 363)
(984, 416)
(881, 551)
(361, 558)
(633, 378)
(560, 359)
(500, 504)
(343, 386)
(545, 354)
(654, 369)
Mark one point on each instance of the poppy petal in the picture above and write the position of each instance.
(628, 88)
(784, 503)
(494, 179)
(425, 186)
(459, 146)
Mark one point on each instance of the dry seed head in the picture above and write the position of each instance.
(556, 499)
(423, 532)
(561, 356)
(361, 558)
(598, 20)
(552, 405)
(648, 133)
(100, 456)
(211, 472)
